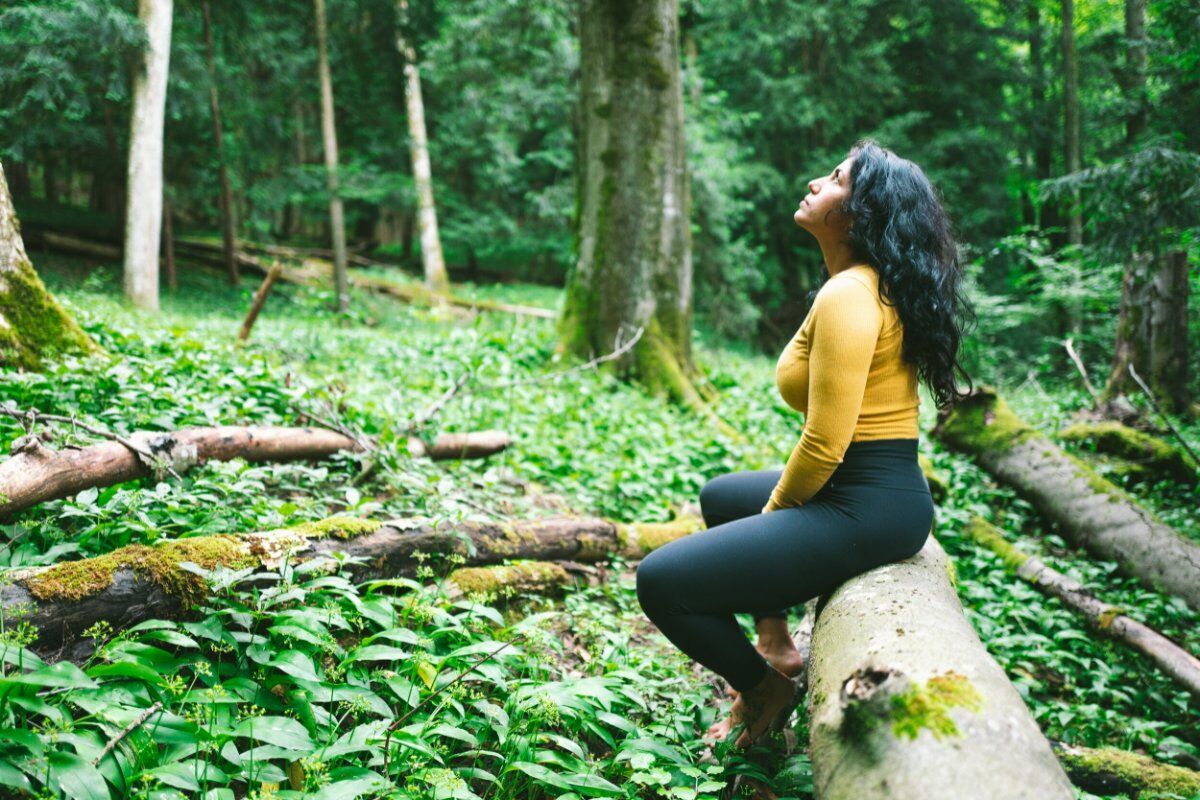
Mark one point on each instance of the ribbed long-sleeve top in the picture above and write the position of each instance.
(843, 370)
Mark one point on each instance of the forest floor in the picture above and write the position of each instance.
(594, 701)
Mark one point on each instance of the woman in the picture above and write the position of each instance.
(852, 496)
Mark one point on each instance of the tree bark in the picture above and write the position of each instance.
(32, 323)
(1182, 666)
(37, 473)
(143, 214)
(1152, 330)
(905, 702)
(436, 278)
(337, 221)
(228, 226)
(260, 299)
(1091, 512)
(1071, 114)
(169, 246)
(634, 266)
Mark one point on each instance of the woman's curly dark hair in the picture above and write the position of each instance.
(899, 226)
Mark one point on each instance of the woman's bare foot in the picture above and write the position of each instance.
(757, 707)
(779, 651)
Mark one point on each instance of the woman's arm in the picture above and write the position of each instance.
(846, 324)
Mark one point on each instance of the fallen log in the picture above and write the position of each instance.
(1149, 456)
(1108, 619)
(141, 582)
(260, 299)
(905, 702)
(1108, 770)
(1101, 770)
(37, 473)
(1091, 512)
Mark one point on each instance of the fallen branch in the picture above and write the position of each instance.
(1154, 403)
(1091, 512)
(37, 473)
(260, 298)
(133, 726)
(1082, 369)
(1108, 619)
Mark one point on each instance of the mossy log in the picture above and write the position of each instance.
(1107, 771)
(1091, 512)
(524, 577)
(141, 582)
(1172, 659)
(1149, 455)
(32, 323)
(905, 702)
(37, 473)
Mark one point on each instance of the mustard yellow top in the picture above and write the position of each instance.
(844, 371)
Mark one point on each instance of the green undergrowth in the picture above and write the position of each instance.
(291, 688)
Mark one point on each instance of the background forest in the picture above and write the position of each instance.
(411, 179)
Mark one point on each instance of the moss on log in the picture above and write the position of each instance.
(1150, 456)
(1107, 770)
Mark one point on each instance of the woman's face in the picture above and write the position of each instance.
(819, 212)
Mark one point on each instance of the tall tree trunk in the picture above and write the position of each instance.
(292, 213)
(228, 226)
(1135, 69)
(431, 244)
(1071, 150)
(634, 262)
(1040, 125)
(18, 173)
(169, 247)
(337, 221)
(143, 213)
(50, 178)
(32, 323)
(1152, 329)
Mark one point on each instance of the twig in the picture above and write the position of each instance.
(387, 741)
(1157, 410)
(1082, 370)
(436, 406)
(31, 417)
(366, 444)
(260, 298)
(108, 748)
(620, 351)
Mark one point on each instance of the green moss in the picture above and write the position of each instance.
(1105, 620)
(928, 706)
(937, 485)
(75, 580)
(988, 535)
(952, 572)
(1099, 485)
(1131, 444)
(337, 527)
(1132, 770)
(511, 542)
(984, 422)
(653, 535)
(524, 575)
(32, 323)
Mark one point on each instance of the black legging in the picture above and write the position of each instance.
(874, 509)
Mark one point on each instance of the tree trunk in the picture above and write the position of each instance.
(143, 214)
(436, 278)
(1152, 330)
(1041, 125)
(634, 266)
(35, 473)
(32, 323)
(905, 702)
(1182, 666)
(18, 174)
(228, 226)
(337, 222)
(292, 213)
(1135, 70)
(169, 247)
(1071, 112)
(1091, 512)
(140, 582)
